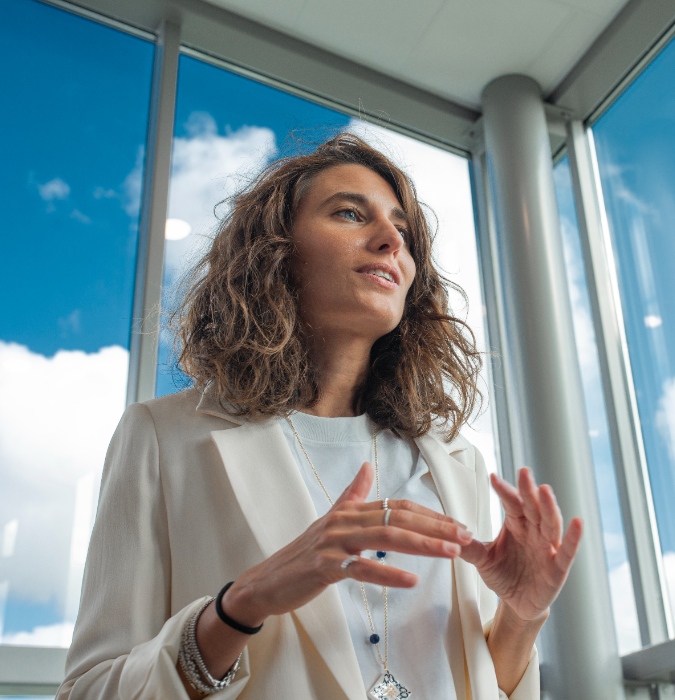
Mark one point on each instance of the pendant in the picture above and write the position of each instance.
(388, 688)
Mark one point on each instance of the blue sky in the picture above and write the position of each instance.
(635, 143)
(77, 120)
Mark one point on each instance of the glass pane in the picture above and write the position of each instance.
(71, 157)
(228, 127)
(635, 145)
(621, 585)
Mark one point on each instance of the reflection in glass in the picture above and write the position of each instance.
(620, 581)
(635, 146)
(72, 154)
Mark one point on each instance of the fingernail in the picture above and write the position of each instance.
(451, 548)
(465, 536)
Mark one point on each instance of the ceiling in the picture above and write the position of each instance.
(419, 66)
(451, 48)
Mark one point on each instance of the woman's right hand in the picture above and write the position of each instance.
(299, 572)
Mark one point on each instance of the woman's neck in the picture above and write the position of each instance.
(342, 367)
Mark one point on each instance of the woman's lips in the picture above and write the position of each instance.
(388, 273)
(379, 280)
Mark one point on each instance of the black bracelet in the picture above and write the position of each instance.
(227, 619)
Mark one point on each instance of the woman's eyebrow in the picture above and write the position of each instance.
(363, 201)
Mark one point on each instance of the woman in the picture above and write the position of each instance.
(317, 454)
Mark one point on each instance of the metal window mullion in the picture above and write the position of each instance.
(642, 539)
(154, 206)
(494, 306)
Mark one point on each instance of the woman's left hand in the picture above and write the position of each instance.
(527, 564)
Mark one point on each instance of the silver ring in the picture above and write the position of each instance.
(385, 504)
(387, 515)
(347, 562)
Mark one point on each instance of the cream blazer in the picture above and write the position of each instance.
(191, 497)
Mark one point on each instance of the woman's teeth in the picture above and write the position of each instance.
(381, 273)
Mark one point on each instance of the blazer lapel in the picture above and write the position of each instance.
(278, 508)
(456, 485)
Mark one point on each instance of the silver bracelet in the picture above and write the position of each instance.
(192, 664)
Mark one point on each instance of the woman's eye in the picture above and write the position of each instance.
(404, 234)
(349, 214)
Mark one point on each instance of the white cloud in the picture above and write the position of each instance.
(581, 315)
(132, 187)
(623, 607)
(665, 417)
(623, 602)
(79, 216)
(54, 189)
(653, 321)
(72, 323)
(177, 230)
(9, 538)
(206, 168)
(59, 635)
(57, 415)
(104, 193)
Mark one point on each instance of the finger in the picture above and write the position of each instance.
(368, 571)
(412, 507)
(569, 546)
(508, 495)
(474, 553)
(360, 487)
(551, 517)
(395, 539)
(361, 516)
(399, 506)
(530, 495)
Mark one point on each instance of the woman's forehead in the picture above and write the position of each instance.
(351, 178)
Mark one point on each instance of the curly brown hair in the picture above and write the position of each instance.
(238, 324)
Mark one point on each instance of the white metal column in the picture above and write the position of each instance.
(584, 662)
(154, 204)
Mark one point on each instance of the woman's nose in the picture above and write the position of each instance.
(387, 236)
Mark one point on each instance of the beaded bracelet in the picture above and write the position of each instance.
(192, 664)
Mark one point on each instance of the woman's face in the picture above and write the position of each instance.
(354, 266)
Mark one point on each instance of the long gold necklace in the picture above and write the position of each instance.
(386, 687)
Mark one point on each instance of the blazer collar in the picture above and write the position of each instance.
(211, 404)
(456, 482)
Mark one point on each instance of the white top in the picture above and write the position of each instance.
(418, 617)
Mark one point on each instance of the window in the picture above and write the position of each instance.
(72, 159)
(635, 149)
(621, 586)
